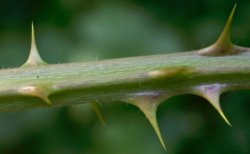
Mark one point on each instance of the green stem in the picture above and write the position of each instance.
(119, 79)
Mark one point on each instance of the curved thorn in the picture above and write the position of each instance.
(46, 99)
(214, 100)
(223, 45)
(224, 39)
(97, 110)
(151, 116)
(34, 57)
(212, 94)
(149, 109)
(37, 91)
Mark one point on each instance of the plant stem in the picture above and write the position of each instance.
(119, 79)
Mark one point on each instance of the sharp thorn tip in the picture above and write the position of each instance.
(34, 57)
(149, 109)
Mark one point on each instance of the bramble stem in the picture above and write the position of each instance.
(118, 79)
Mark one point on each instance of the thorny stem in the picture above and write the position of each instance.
(118, 79)
(144, 81)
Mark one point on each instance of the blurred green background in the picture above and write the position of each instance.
(81, 30)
